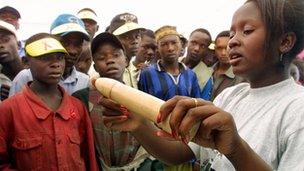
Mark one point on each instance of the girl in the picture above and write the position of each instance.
(251, 126)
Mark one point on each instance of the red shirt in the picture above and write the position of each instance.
(33, 137)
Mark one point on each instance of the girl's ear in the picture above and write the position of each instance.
(288, 41)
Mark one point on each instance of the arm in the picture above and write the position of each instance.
(162, 148)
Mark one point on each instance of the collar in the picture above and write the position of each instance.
(229, 73)
(160, 68)
(42, 111)
(71, 78)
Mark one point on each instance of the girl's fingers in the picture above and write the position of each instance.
(178, 113)
(168, 106)
(195, 116)
(110, 121)
(108, 103)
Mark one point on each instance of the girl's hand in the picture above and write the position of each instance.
(217, 128)
(117, 117)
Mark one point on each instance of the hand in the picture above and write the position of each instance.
(117, 117)
(217, 128)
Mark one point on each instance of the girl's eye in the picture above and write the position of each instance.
(246, 32)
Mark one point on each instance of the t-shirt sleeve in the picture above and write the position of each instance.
(292, 157)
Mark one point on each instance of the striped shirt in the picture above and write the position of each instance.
(161, 84)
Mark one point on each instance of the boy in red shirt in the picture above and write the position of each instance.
(42, 127)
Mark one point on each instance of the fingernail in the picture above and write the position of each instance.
(124, 110)
(158, 119)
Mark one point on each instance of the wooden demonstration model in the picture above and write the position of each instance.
(135, 101)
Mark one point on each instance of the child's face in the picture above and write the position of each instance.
(198, 46)
(47, 68)
(110, 61)
(246, 45)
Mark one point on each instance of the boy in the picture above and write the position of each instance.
(72, 32)
(115, 149)
(42, 127)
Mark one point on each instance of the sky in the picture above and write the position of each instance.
(186, 15)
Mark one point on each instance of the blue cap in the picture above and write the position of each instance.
(68, 23)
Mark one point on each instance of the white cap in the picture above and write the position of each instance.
(9, 27)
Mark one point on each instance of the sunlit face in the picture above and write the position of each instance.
(130, 40)
(246, 45)
(221, 49)
(169, 48)
(198, 45)
(110, 61)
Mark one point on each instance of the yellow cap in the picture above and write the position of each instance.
(44, 46)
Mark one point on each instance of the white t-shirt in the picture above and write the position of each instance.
(269, 119)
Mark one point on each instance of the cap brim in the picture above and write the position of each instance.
(126, 28)
(87, 15)
(9, 27)
(44, 46)
(65, 29)
(103, 38)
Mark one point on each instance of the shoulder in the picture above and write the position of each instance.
(230, 93)
(149, 69)
(24, 74)
(82, 76)
(82, 94)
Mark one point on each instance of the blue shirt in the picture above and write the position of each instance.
(161, 84)
(76, 81)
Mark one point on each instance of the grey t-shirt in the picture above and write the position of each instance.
(269, 119)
